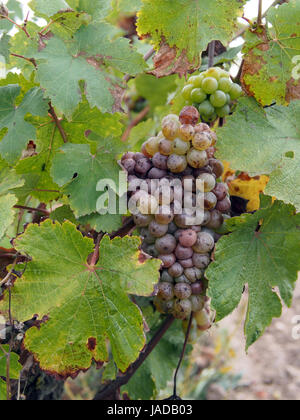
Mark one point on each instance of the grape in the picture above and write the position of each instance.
(165, 291)
(235, 91)
(160, 161)
(189, 115)
(138, 156)
(164, 216)
(216, 220)
(176, 270)
(220, 191)
(189, 184)
(198, 95)
(196, 81)
(129, 165)
(128, 155)
(180, 147)
(182, 290)
(170, 126)
(183, 253)
(172, 228)
(205, 182)
(186, 92)
(187, 238)
(224, 205)
(197, 288)
(202, 141)
(217, 167)
(142, 220)
(164, 194)
(205, 243)
(218, 99)
(187, 263)
(156, 173)
(225, 84)
(147, 204)
(182, 309)
(214, 72)
(197, 158)
(197, 302)
(209, 85)
(210, 118)
(151, 145)
(203, 320)
(145, 153)
(196, 228)
(201, 261)
(148, 238)
(157, 230)
(206, 218)
(143, 166)
(176, 163)
(165, 147)
(210, 201)
(224, 73)
(166, 244)
(167, 260)
(181, 221)
(200, 128)
(182, 279)
(223, 112)
(193, 274)
(214, 137)
(210, 154)
(206, 109)
(186, 132)
(165, 277)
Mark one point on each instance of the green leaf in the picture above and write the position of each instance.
(263, 252)
(102, 223)
(189, 25)
(126, 6)
(98, 9)
(258, 141)
(90, 169)
(62, 214)
(18, 132)
(4, 46)
(155, 90)
(14, 369)
(7, 214)
(15, 13)
(49, 8)
(84, 304)
(141, 133)
(8, 179)
(268, 63)
(86, 58)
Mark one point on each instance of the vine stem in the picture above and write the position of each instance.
(182, 354)
(260, 12)
(135, 122)
(112, 387)
(23, 28)
(58, 123)
(32, 209)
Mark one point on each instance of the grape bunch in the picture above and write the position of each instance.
(212, 93)
(178, 203)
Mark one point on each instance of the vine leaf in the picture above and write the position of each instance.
(82, 305)
(77, 159)
(189, 25)
(268, 141)
(7, 213)
(86, 57)
(14, 370)
(263, 252)
(49, 8)
(268, 62)
(19, 132)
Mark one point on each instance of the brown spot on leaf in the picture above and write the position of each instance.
(167, 62)
(292, 90)
(142, 257)
(92, 343)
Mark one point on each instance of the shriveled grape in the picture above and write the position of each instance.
(182, 290)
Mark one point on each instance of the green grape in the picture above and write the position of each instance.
(235, 91)
(225, 84)
(196, 81)
(203, 320)
(205, 182)
(198, 95)
(182, 308)
(180, 147)
(151, 146)
(186, 132)
(224, 111)
(206, 108)
(165, 147)
(197, 158)
(177, 164)
(186, 92)
(224, 74)
(211, 118)
(214, 72)
(209, 85)
(182, 290)
(218, 99)
(202, 141)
